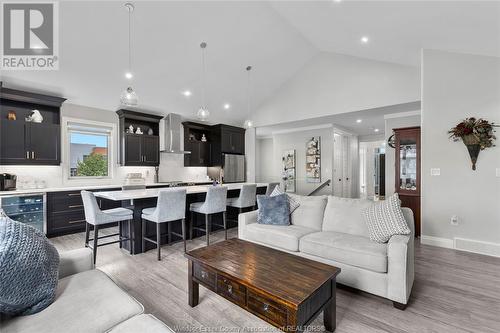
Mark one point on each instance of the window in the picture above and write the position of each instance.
(89, 151)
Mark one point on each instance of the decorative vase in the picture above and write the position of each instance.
(474, 150)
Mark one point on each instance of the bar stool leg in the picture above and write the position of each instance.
(169, 233)
(225, 224)
(87, 231)
(191, 223)
(183, 221)
(143, 235)
(120, 232)
(158, 240)
(130, 240)
(96, 235)
(207, 230)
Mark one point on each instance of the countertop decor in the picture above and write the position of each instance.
(476, 134)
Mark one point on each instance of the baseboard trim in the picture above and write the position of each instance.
(463, 244)
(475, 246)
(437, 241)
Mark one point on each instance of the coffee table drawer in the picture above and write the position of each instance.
(204, 275)
(267, 308)
(231, 290)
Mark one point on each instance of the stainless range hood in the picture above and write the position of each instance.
(173, 135)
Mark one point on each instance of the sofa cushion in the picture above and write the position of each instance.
(285, 237)
(292, 204)
(273, 210)
(310, 212)
(86, 302)
(346, 215)
(142, 323)
(348, 249)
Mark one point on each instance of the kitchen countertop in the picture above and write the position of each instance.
(77, 188)
(153, 192)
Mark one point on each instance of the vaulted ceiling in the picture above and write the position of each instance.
(276, 38)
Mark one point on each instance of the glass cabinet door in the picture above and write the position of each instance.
(408, 166)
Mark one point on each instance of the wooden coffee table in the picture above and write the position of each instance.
(285, 290)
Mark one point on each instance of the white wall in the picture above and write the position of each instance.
(171, 166)
(333, 83)
(265, 171)
(297, 141)
(395, 121)
(456, 86)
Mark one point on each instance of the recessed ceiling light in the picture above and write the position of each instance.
(337, 0)
(129, 75)
(359, 120)
(376, 130)
(187, 93)
(365, 39)
(227, 106)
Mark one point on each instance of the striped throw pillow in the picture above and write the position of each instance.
(293, 204)
(385, 219)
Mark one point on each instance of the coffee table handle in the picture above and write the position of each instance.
(204, 274)
(230, 289)
(266, 307)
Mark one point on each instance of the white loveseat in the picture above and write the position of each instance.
(87, 300)
(332, 230)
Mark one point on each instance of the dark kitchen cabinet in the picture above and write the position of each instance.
(29, 143)
(226, 140)
(139, 149)
(200, 150)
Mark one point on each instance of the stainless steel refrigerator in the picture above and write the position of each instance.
(234, 168)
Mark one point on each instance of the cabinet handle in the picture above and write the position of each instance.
(73, 194)
(33, 155)
(27, 155)
(76, 221)
(75, 206)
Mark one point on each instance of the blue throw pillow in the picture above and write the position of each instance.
(29, 269)
(273, 210)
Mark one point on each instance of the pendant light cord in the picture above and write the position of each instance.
(203, 74)
(248, 89)
(129, 40)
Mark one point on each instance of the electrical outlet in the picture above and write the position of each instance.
(454, 220)
(435, 171)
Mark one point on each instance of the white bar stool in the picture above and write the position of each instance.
(246, 199)
(170, 207)
(215, 202)
(96, 217)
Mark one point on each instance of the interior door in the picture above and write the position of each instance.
(13, 139)
(44, 144)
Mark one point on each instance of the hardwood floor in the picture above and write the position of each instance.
(453, 292)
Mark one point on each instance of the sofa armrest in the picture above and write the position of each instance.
(75, 261)
(401, 263)
(244, 219)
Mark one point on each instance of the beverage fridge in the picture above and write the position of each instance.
(26, 208)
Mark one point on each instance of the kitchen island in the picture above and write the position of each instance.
(140, 199)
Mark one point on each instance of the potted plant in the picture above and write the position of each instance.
(476, 134)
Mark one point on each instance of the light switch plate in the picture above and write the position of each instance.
(435, 172)
(498, 172)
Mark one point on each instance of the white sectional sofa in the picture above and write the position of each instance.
(87, 300)
(332, 230)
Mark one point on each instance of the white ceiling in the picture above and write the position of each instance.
(397, 30)
(277, 38)
(371, 119)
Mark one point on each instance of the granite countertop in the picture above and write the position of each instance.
(153, 192)
(79, 187)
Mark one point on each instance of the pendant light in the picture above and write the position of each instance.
(248, 123)
(203, 112)
(129, 96)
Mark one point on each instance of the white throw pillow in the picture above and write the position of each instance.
(293, 204)
(385, 219)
